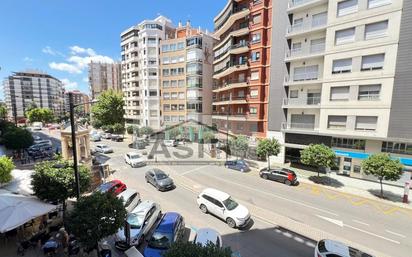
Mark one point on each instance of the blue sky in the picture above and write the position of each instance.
(57, 36)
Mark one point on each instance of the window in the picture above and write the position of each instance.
(358, 144)
(181, 95)
(377, 3)
(345, 36)
(152, 93)
(339, 93)
(166, 84)
(254, 93)
(166, 72)
(256, 19)
(376, 30)
(319, 19)
(255, 56)
(254, 75)
(337, 122)
(253, 127)
(347, 7)
(293, 93)
(366, 123)
(399, 148)
(174, 95)
(166, 118)
(180, 45)
(173, 107)
(181, 83)
(296, 47)
(172, 47)
(317, 45)
(181, 107)
(342, 66)
(252, 110)
(297, 23)
(165, 48)
(372, 62)
(256, 38)
(239, 126)
(369, 92)
(173, 83)
(305, 73)
(181, 118)
(166, 107)
(166, 95)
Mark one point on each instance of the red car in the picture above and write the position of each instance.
(115, 187)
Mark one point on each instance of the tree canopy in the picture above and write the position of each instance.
(189, 249)
(40, 115)
(208, 136)
(16, 138)
(267, 147)
(146, 131)
(3, 111)
(318, 155)
(108, 110)
(6, 166)
(239, 146)
(383, 167)
(95, 217)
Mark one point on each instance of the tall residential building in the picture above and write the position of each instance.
(22, 89)
(140, 46)
(104, 76)
(241, 67)
(79, 98)
(347, 82)
(186, 76)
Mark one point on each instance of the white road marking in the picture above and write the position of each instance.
(195, 169)
(341, 224)
(360, 222)
(394, 233)
(277, 196)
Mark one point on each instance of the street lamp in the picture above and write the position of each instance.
(227, 125)
(74, 148)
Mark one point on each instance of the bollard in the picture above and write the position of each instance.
(406, 192)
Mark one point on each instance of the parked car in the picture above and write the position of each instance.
(159, 179)
(103, 149)
(37, 125)
(206, 236)
(106, 135)
(240, 165)
(117, 138)
(134, 160)
(130, 198)
(37, 139)
(170, 229)
(330, 248)
(138, 224)
(286, 176)
(224, 207)
(171, 143)
(39, 148)
(115, 187)
(95, 137)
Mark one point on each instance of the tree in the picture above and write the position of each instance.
(383, 167)
(173, 132)
(31, 106)
(208, 136)
(95, 217)
(55, 181)
(146, 131)
(239, 146)
(16, 138)
(108, 110)
(6, 166)
(267, 147)
(3, 111)
(189, 249)
(118, 128)
(318, 155)
(40, 115)
(130, 129)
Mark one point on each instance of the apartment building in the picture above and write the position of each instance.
(186, 76)
(140, 71)
(104, 76)
(242, 67)
(80, 99)
(347, 79)
(23, 89)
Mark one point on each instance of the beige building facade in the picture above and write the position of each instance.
(104, 76)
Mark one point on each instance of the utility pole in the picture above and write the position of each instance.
(227, 126)
(74, 147)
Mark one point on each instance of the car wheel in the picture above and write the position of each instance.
(288, 183)
(230, 222)
(264, 176)
(203, 208)
(158, 187)
(147, 181)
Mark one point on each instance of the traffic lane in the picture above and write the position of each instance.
(261, 236)
(299, 210)
(44, 136)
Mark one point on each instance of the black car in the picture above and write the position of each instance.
(117, 138)
(283, 175)
(159, 179)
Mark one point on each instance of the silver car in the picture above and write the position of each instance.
(138, 224)
(103, 149)
(130, 198)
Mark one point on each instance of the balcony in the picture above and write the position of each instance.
(238, 48)
(296, 5)
(234, 116)
(312, 51)
(302, 102)
(233, 15)
(229, 85)
(290, 126)
(230, 67)
(237, 31)
(228, 100)
(306, 75)
(307, 26)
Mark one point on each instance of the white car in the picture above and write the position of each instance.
(170, 143)
(106, 135)
(134, 160)
(206, 236)
(326, 248)
(103, 149)
(223, 206)
(131, 198)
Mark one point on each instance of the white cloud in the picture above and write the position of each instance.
(51, 51)
(70, 68)
(86, 79)
(69, 85)
(80, 50)
(27, 59)
(83, 62)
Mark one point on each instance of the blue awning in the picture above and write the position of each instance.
(357, 155)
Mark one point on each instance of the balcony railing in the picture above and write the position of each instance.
(305, 51)
(311, 100)
(234, 98)
(230, 13)
(235, 46)
(228, 83)
(232, 64)
(294, 3)
(308, 25)
(303, 77)
(298, 126)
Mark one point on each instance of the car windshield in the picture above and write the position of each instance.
(160, 240)
(135, 220)
(105, 187)
(160, 175)
(104, 146)
(230, 204)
